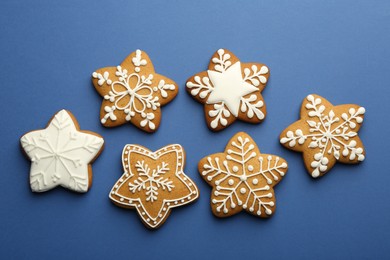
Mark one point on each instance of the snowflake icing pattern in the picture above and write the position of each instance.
(60, 154)
(242, 178)
(151, 181)
(230, 89)
(326, 134)
(133, 92)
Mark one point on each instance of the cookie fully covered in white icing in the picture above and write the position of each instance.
(61, 154)
(230, 90)
(242, 178)
(133, 92)
(326, 134)
(153, 183)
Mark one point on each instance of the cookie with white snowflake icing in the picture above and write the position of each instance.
(230, 90)
(61, 154)
(133, 92)
(242, 178)
(153, 183)
(326, 134)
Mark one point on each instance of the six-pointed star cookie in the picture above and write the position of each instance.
(325, 134)
(61, 154)
(153, 183)
(133, 92)
(229, 90)
(242, 178)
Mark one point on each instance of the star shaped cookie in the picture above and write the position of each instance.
(153, 183)
(230, 90)
(133, 92)
(61, 154)
(242, 178)
(326, 134)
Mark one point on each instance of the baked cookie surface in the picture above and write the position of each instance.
(61, 154)
(242, 178)
(230, 90)
(153, 183)
(133, 92)
(326, 134)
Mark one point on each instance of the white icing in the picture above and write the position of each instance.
(60, 155)
(229, 87)
(150, 182)
(328, 136)
(138, 61)
(242, 185)
(141, 95)
(226, 86)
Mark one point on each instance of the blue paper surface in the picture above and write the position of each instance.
(337, 49)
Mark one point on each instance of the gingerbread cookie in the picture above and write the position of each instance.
(242, 178)
(61, 154)
(133, 92)
(325, 134)
(153, 183)
(230, 90)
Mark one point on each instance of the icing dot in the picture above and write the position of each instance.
(231, 182)
(258, 212)
(168, 203)
(137, 69)
(155, 89)
(164, 209)
(255, 181)
(225, 211)
(235, 168)
(143, 213)
(155, 222)
(121, 199)
(244, 206)
(182, 200)
(175, 202)
(243, 178)
(251, 209)
(250, 168)
(214, 201)
(194, 192)
(233, 205)
(148, 220)
(242, 190)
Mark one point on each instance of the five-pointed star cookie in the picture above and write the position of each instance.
(242, 178)
(325, 134)
(61, 154)
(153, 183)
(229, 90)
(133, 92)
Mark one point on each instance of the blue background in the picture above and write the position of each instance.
(337, 49)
